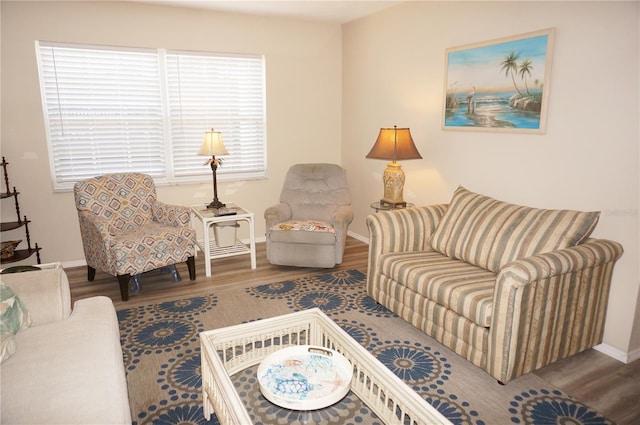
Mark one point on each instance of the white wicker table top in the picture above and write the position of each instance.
(226, 351)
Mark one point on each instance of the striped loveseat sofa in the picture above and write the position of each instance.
(510, 288)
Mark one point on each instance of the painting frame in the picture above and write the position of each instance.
(501, 85)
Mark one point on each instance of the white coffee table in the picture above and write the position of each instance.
(229, 350)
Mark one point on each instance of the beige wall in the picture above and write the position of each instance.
(393, 73)
(303, 67)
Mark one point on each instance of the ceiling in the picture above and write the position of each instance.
(334, 11)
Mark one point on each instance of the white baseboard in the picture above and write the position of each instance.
(633, 355)
(74, 263)
(617, 354)
(358, 237)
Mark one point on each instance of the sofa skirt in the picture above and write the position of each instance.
(461, 335)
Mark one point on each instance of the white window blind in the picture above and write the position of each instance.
(113, 109)
(224, 92)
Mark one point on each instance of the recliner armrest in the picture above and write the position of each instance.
(276, 214)
(342, 217)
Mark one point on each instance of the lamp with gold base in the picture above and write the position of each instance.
(211, 146)
(394, 144)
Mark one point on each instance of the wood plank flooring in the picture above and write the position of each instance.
(594, 378)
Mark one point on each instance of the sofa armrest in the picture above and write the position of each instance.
(550, 306)
(45, 294)
(276, 214)
(171, 215)
(401, 230)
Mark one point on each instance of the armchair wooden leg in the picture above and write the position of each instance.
(123, 280)
(191, 265)
(91, 273)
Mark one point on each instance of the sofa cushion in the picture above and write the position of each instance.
(69, 371)
(490, 233)
(459, 286)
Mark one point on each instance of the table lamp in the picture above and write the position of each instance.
(394, 144)
(211, 146)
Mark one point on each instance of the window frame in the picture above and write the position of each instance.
(244, 162)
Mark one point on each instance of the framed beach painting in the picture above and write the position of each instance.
(499, 85)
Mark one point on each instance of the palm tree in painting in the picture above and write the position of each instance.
(510, 65)
(524, 70)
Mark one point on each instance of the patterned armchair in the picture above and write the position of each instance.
(308, 227)
(127, 231)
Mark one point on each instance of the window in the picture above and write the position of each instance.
(111, 109)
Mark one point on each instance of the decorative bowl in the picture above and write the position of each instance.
(8, 248)
(305, 377)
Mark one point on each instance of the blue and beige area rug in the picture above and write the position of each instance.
(162, 360)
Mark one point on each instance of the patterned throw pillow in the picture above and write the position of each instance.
(7, 345)
(14, 317)
(490, 233)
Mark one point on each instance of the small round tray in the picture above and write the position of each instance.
(305, 377)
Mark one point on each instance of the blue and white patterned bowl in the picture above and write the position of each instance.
(305, 377)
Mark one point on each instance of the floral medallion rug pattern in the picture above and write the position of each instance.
(162, 359)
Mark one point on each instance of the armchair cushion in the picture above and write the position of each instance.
(150, 247)
(490, 233)
(303, 231)
(304, 226)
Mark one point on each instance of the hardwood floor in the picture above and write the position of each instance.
(601, 382)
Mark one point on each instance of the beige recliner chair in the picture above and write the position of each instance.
(308, 228)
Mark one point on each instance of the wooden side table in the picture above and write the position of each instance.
(207, 218)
